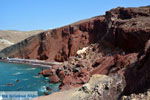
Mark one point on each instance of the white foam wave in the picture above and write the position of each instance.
(36, 76)
(30, 68)
(18, 73)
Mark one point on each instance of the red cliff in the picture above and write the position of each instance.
(59, 44)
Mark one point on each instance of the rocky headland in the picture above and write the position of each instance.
(103, 58)
(11, 37)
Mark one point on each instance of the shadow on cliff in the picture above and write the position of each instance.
(138, 77)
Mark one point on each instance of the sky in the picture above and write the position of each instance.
(28, 15)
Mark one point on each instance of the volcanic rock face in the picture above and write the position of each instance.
(117, 43)
(58, 44)
(77, 70)
(140, 74)
(128, 28)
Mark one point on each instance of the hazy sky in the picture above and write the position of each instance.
(47, 14)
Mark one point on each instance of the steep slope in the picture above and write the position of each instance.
(10, 37)
(58, 44)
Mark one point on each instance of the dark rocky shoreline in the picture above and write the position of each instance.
(32, 62)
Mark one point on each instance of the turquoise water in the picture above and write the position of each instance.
(21, 77)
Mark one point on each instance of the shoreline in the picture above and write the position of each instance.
(20, 78)
(32, 62)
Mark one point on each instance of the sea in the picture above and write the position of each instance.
(22, 77)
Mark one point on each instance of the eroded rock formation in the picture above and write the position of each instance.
(58, 44)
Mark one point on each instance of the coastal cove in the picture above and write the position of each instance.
(23, 77)
(106, 57)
